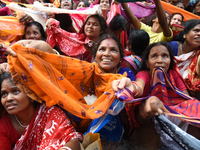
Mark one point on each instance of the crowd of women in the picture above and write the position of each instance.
(113, 72)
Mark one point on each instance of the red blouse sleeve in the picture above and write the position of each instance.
(8, 134)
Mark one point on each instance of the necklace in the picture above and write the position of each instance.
(20, 122)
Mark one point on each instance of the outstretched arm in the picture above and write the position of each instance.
(134, 87)
(162, 18)
(133, 19)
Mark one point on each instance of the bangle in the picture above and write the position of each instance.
(126, 7)
(65, 148)
(136, 87)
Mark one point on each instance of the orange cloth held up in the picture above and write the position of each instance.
(10, 29)
(173, 9)
(62, 80)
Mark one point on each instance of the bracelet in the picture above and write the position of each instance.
(136, 86)
(126, 8)
(65, 148)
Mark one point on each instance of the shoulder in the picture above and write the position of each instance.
(145, 27)
(144, 75)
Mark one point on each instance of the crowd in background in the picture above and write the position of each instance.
(108, 67)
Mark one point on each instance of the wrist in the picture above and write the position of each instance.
(136, 91)
(65, 148)
(126, 7)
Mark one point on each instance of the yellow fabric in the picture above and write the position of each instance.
(62, 80)
(155, 37)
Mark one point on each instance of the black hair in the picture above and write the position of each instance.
(147, 51)
(40, 27)
(112, 36)
(3, 76)
(139, 40)
(194, 5)
(65, 21)
(149, 20)
(176, 14)
(86, 3)
(179, 3)
(118, 22)
(101, 20)
(189, 25)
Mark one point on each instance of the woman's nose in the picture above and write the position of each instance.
(106, 52)
(10, 97)
(159, 60)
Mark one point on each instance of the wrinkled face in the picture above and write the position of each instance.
(192, 38)
(33, 32)
(180, 5)
(198, 7)
(158, 57)
(92, 28)
(108, 55)
(66, 4)
(176, 19)
(13, 99)
(104, 4)
(81, 5)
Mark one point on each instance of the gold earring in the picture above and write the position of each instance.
(184, 36)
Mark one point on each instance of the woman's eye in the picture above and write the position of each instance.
(165, 55)
(113, 50)
(101, 49)
(35, 33)
(16, 91)
(4, 94)
(153, 56)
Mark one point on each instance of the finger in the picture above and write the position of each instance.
(2, 70)
(123, 82)
(160, 111)
(114, 85)
(11, 52)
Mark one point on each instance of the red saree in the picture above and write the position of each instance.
(71, 44)
(176, 102)
(49, 129)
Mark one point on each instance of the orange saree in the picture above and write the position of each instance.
(62, 80)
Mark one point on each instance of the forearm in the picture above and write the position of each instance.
(160, 13)
(162, 19)
(133, 19)
(73, 144)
